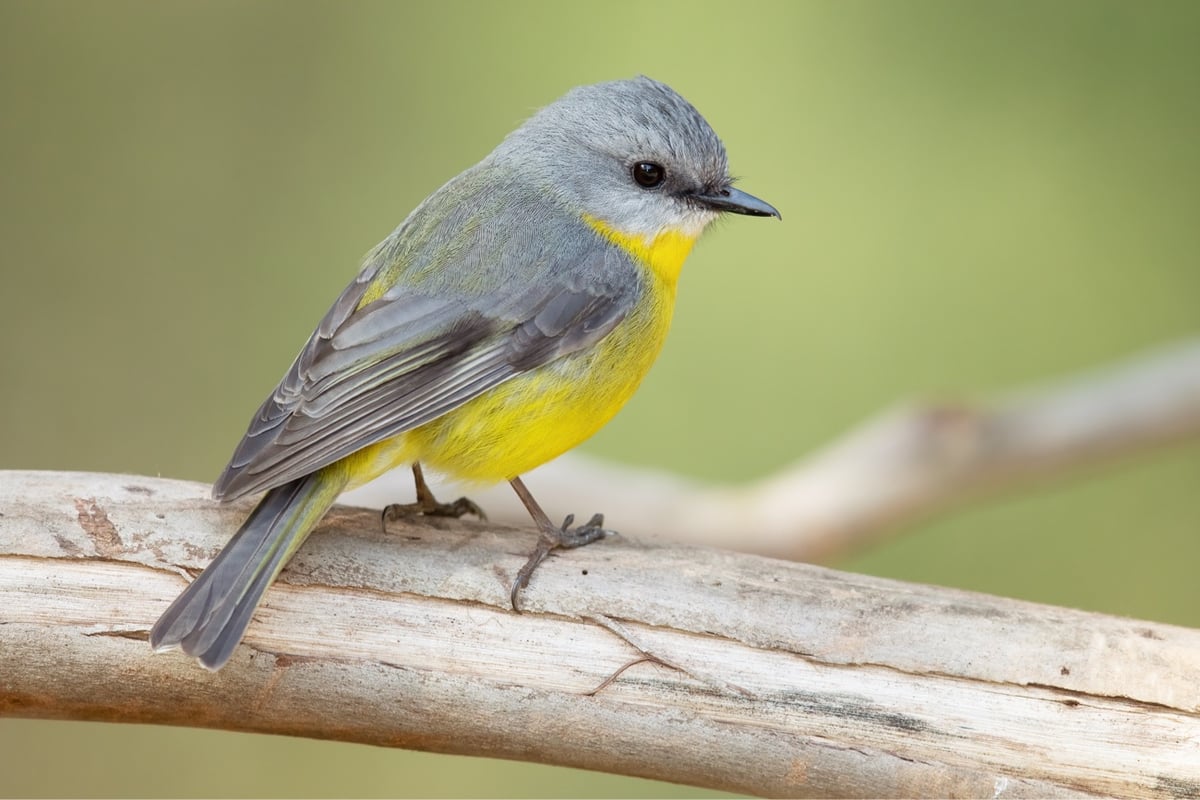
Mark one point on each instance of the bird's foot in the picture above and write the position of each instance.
(552, 539)
(428, 506)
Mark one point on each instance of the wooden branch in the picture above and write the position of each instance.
(905, 465)
(697, 666)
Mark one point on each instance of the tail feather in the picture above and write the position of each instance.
(209, 618)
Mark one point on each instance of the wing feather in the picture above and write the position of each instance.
(500, 303)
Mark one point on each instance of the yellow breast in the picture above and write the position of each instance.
(532, 419)
(664, 254)
(529, 420)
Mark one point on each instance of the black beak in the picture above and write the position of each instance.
(737, 202)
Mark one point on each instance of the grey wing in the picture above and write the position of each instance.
(370, 373)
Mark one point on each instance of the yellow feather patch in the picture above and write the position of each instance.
(526, 421)
(663, 253)
(377, 289)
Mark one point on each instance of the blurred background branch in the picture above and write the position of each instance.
(901, 466)
(690, 665)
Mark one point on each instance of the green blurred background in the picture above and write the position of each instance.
(974, 196)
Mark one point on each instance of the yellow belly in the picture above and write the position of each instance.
(532, 419)
(538, 416)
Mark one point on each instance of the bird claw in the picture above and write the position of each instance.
(564, 537)
(431, 508)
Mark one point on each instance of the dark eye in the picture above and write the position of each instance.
(647, 174)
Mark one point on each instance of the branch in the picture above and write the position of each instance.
(696, 666)
(906, 464)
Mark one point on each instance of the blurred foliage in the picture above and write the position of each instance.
(975, 196)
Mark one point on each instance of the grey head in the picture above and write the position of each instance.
(632, 154)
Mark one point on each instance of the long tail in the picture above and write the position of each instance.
(207, 621)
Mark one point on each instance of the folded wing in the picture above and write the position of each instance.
(428, 342)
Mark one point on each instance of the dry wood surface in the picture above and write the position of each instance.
(685, 664)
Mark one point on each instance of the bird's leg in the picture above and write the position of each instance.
(551, 537)
(428, 505)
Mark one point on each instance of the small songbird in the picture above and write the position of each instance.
(506, 320)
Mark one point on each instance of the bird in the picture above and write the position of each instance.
(505, 321)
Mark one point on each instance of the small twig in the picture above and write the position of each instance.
(611, 678)
(627, 635)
